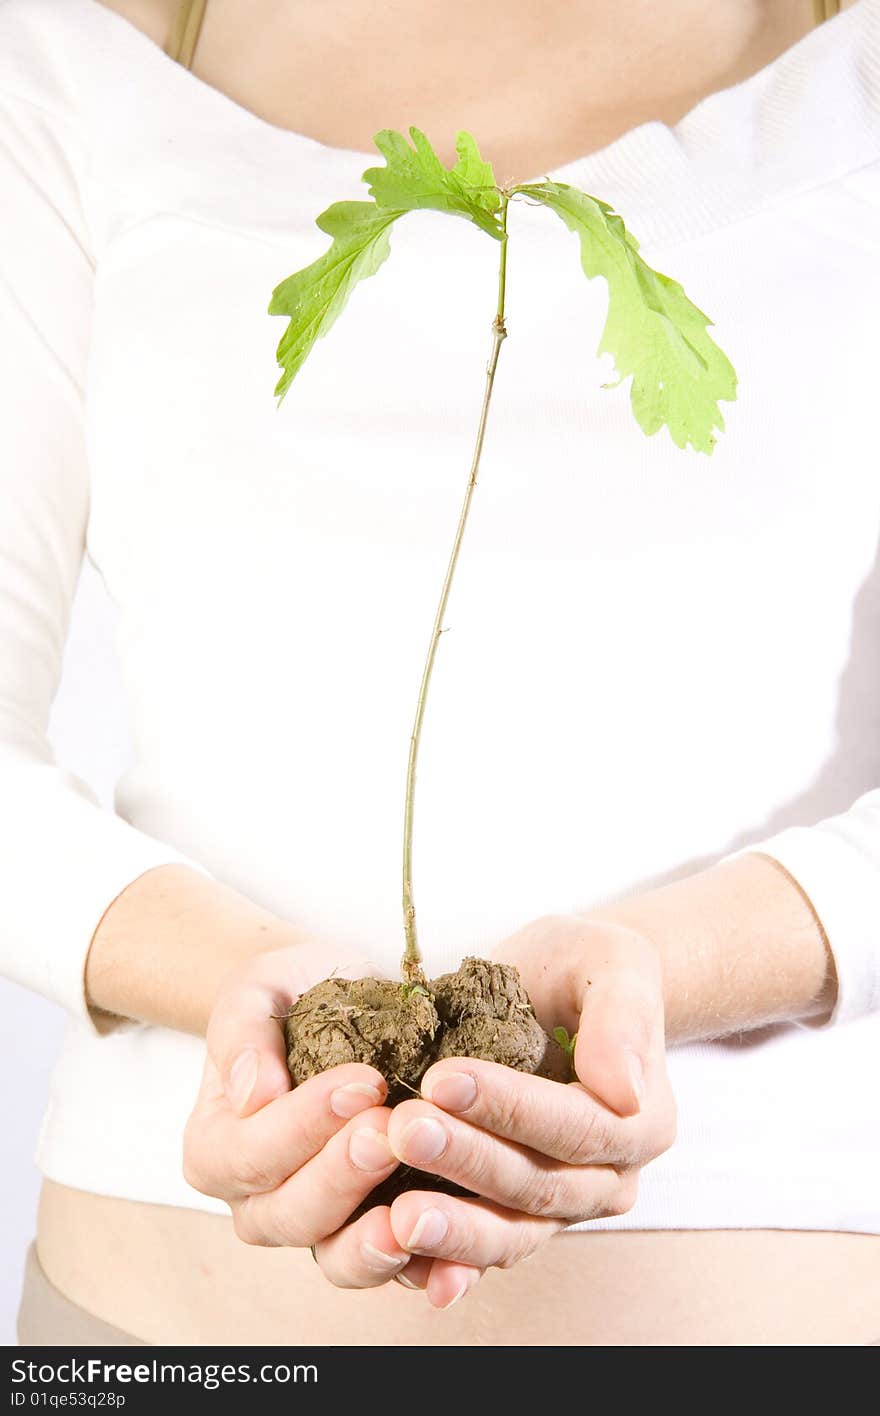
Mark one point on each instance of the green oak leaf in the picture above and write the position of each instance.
(414, 178)
(474, 173)
(652, 330)
(315, 296)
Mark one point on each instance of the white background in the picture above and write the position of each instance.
(89, 732)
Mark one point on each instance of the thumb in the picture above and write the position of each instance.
(621, 1023)
(245, 1034)
(246, 1044)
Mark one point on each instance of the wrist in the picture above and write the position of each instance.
(164, 947)
(740, 947)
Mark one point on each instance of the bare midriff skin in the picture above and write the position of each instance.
(182, 1276)
(539, 85)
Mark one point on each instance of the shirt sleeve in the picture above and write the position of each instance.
(63, 857)
(837, 865)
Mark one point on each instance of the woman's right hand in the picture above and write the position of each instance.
(294, 1164)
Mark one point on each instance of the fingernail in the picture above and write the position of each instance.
(636, 1074)
(369, 1149)
(423, 1140)
(452, 1302)
(431, 1229)
(374, 1258)
(454, 1091)
(407, 1282)
(349, 1100)
(243, 1078)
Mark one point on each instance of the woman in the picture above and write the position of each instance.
(650, 772)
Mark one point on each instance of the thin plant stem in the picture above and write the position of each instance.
(411, 968)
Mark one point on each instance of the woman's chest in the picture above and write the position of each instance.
(621, 606)
(370, 452)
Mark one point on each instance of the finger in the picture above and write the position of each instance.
(245, 1034)
(621, 1025)
(367, 1255)
(561, 1121)
(246, 1044)
(364, 1254)
(471, 1232)
(510, 1174)
(447, 1283)
(322, 1196)
(416, 1273)
(231, 1156)
(443, 1281)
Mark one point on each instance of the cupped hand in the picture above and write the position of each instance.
(542, 1155)
(294, 1164)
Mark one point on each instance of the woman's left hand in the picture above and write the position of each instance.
(540, 1154)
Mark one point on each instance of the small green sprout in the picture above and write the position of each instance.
(566, 1043)
(410, 988)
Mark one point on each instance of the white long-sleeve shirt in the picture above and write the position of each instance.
(655, 659)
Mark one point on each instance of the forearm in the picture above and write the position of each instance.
(740, 947)
(162, 948)
(739, 943)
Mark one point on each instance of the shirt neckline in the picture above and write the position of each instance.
(668, 180)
